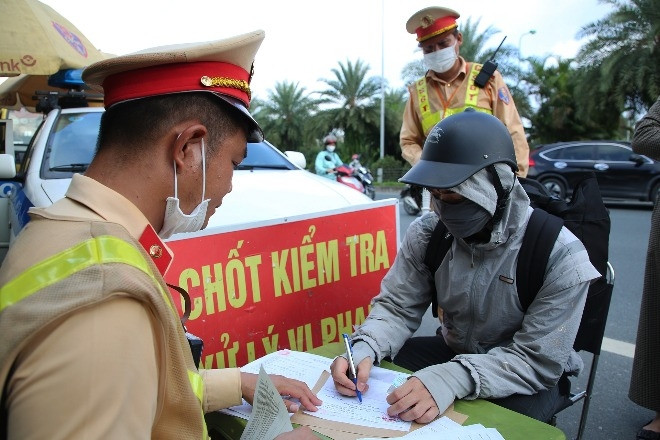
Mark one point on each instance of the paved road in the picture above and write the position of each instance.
(611, 414)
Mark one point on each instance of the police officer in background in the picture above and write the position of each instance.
(92, 345)
(448, 87)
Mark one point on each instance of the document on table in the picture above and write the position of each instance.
(299, 365)
(269, 415)
(447, 429)
(372, 412)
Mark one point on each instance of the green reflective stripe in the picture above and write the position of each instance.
(453, 111)
(429, 118)
(197, 385)
(472, 91)
(99, 250)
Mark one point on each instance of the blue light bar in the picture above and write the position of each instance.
(67, 79)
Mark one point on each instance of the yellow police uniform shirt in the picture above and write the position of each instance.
(451, 94)
(102, 363)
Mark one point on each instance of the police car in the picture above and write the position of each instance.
(268, 185)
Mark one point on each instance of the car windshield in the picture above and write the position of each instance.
(265, 156)
(73, 142)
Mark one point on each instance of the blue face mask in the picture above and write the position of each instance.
(464, 218)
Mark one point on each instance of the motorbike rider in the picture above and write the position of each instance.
(327, 159)
(355, 161)
(487, 346)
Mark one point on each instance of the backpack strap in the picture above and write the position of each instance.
(539, 239)
(436, 250)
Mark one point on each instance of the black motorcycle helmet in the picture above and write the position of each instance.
(459, 146)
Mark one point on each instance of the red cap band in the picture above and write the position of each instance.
(224, 78)
(441, 25)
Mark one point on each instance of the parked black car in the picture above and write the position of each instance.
(621, 173)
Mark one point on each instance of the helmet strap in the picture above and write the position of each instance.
(502, 195)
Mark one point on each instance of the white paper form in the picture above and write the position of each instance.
(269, 416)
(298, 365)
(372, 412)
(447, 429)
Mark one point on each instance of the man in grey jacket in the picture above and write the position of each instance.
(488, 347)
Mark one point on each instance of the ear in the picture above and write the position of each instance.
(459, 38)
(185, 149)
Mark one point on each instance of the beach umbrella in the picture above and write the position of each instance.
(36, 40)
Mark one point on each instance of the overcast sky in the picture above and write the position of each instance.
(305, 39)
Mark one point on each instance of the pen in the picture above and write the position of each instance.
(351, 365)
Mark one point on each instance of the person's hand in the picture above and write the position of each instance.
(412, 401)
(343, 384)
(303, 433)
(286, 387)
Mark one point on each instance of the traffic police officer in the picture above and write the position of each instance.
(448, 87)
(92, 344)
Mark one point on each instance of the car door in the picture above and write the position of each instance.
(574, 161)
(618, 175)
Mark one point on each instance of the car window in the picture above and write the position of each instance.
(26, 156)
(613, 153)
(262, 155)
(576, 152)
(72, 143)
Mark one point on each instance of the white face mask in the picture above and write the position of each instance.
(330, 148)
(175, 221)
(441, 60)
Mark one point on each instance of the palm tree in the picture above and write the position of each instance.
(352, 104)
(558, 117)
(620, 61)
(285, 114)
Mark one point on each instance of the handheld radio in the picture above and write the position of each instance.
(487, 69)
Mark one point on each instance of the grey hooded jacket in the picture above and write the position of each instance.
(503, 351)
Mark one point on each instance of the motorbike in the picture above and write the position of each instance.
(363, 174)
(345, 175)
(357, 176)
(411, 199)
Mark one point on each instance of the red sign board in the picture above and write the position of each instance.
(294, 284)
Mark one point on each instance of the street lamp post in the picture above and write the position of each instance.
(529, 32)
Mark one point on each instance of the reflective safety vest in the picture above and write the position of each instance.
(430, 118)
(93, 253)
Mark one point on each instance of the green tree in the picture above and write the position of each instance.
(351, 103)
(285, 114)
(395, 101)
(558, 117)
(552, 86)
(620, 61)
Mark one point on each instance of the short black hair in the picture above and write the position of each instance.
(133, 126)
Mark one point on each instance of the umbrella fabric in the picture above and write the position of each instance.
(35, 39)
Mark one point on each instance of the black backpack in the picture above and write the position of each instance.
(585, 215)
